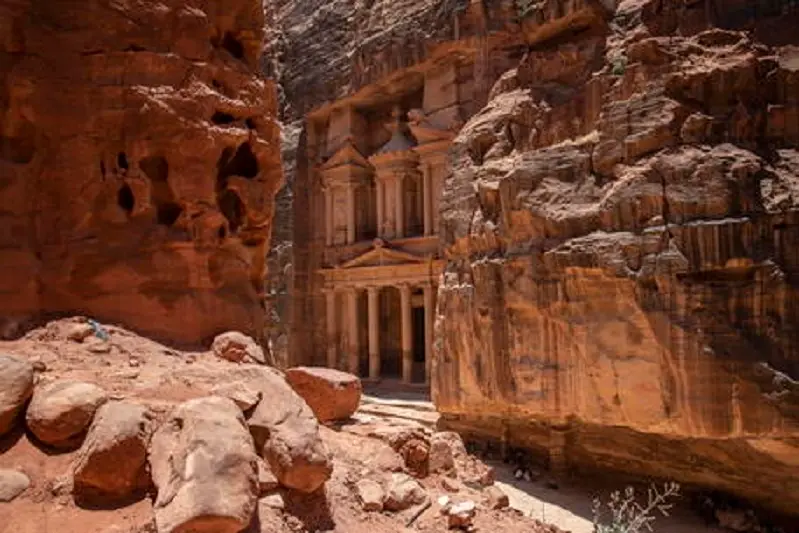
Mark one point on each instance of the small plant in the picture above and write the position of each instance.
(525, 8)
(629, 516)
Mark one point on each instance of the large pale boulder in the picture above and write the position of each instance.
(332, 394)
(287, 432)
(204, 466)
(403, 492)
(12, 484)
(60, 412)
(238, 347)
(112, 463)
(16, 387)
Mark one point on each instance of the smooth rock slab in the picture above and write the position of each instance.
(16, 387)
(331, 394)
(60, 412)
(12, 484)
(112, 463)
(204, 466)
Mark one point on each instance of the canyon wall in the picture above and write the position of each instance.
(139, 157)
(620, 222)
(622, 228)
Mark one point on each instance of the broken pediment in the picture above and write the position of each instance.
(379, 255)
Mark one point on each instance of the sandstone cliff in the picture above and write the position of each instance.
(138, 162)
(619, 222)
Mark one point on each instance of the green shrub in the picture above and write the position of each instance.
(629, 516)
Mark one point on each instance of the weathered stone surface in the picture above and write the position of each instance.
(495, 498)
(139, 156)
(402, 492)
(461, 515)
(204, 466)
(12, 484)
(111, 465)
(287, 434)
(441, 457)
(245, 394)
(616, 292)
(60, 412)
(16, 387)
(370, 494)
(617, 221)
(331, 394)
(238, 348)
(267, 482)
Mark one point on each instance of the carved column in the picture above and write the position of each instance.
(374, 332)
(351, 229)
(426, 191)
(407, 333)
(329, 216)
(429, 316)
(330, 297)
(399, 206)
(354, 344)
(380, 208)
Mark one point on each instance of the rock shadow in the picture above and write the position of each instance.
(313, 510)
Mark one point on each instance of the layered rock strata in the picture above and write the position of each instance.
(618, 223)
(139, 158)
(621, 223)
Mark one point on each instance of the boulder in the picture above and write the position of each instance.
(238, 348)
(287, 432)
(461, 515)
(273, 501)
(112, 463)
(441, 457)
(16, 387)
(12, 484)
(495, 498)
(403, 492)
(370, 494)
(79, 332)
(245, 394)
(332, 394)
(204, 467)
(60, 412)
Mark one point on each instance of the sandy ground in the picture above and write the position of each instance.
(568, 507)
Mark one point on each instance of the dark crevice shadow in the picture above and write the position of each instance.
(313, 510)
(13, 437)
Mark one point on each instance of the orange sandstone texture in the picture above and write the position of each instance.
(139, 157)
(619, 221)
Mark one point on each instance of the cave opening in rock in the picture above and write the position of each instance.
(222, 118)
(243, 163)
(167, 209)
(250, 122)
(232, 45)
(125, 199)
(122, 161)
(232, 208)
(18, 150)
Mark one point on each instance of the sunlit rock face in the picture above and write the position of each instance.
(618, 220)
(139, 157)
(622, 228)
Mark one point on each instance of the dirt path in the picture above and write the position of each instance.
(568, 507)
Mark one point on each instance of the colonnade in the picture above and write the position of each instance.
(352, 327)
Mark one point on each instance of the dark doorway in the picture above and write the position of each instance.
(417, 318)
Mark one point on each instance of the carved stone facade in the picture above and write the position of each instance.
(380, 174)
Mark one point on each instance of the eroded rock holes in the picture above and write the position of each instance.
(167, 210)
(241, 163)
(125, 199)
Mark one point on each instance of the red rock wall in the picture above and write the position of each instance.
(139, 156)
(623, 226)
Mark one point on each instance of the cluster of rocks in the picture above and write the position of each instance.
(209, 463)
(438, 458)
